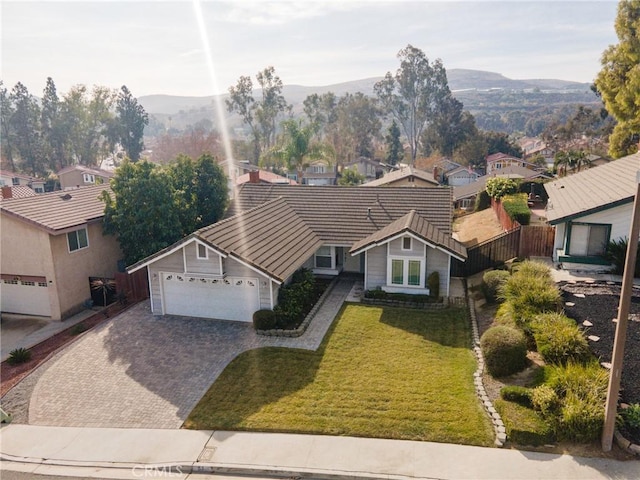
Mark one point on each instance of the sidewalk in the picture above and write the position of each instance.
(126, 453)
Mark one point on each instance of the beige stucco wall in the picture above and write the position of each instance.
(75, 178)
(417, 182)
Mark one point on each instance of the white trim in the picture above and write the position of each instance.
(161, 280)
(270, 293)
(366, 262)
(220, 260)
(410, 238)
(332, 257)
(405, 271)
(206, 251)
(86, 231)
(184, 259)
(266, 275)
(395, 237)
(173, 250)
(150, 289)
(448, 277)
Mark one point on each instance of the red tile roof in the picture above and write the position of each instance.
(266, 177)
(18, 191)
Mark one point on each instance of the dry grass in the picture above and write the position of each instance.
(477, 227)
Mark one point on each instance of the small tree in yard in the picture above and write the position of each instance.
(498, 187)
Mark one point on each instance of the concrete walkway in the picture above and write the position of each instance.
(124, 453)
(143, 371)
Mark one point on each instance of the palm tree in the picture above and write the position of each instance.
(297, 148)
(571, 160)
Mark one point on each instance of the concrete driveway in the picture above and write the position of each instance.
(141, 371)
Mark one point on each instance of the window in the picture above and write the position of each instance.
(77, 240)
(324, 257)
(15, 181)
(406, 272)
(406, 243)
(414, 273)
(317, 169)
(88, 178)
(397, 272)
(588, 240)
(202, 252)
(38, 189)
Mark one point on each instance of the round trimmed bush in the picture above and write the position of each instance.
(492, 281)
(264, 320)
(504, 349)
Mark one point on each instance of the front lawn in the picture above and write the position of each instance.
(380, 372)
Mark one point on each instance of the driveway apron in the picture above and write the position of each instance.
(146, 371)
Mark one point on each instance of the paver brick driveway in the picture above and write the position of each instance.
(141, 371)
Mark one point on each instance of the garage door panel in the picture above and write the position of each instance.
(27, 298)
(233, 298)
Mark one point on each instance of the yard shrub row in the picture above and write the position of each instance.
(492, 282)
(559, 340)
(517, 208)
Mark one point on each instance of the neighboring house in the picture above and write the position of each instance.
(533, 147)
(51, 244)
(589, 209)
(366, 167)
(237, 168)
(460, 176)
(75, 176)
(264, 176)
(405, 176)
(394, 237)
(13, 179)
(464, 196)
(17, 192)
(319, 173)
(498, 161)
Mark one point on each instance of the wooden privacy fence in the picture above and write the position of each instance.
(134, 285)
(521, 241)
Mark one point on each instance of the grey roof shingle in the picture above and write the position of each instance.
(414, 223)
(345, 215)
(516, 171)
(590, 190)
(401, 174)
(58, 211)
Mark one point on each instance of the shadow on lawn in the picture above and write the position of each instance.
(448, 327)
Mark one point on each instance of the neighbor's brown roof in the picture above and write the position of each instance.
(413, 223)
(589, 191)
(58, 211)
(266, 177)
(515, 171)
(345, 215)
(85, 169)
(401, 174)
(18, 191)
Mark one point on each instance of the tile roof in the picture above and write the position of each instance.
(401, 174)
(413, 223)
(57, 211)
(344, 215)
(266, 177)
(85, 169)
(591, 190)
(24, 176)
(515, 171)
(18, 191)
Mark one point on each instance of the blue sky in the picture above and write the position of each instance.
(156, 47)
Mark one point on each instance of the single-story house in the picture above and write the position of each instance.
(75, 176)
(464, 196)
(51, 245)
(394, 237)
(263, 176)
(405, 176)
(589, 209)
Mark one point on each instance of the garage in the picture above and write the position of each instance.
(229, 298)
(25, 297)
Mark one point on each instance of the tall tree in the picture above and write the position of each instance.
(321, 110)
(297, 148)
(450, 128)
(395, 150)
(25, 123)
(414, 94)
(358, 123)
(619, 80)
(131, 118)
(260, 115)
(6, 131)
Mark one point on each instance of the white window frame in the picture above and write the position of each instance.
(206, 252)
(333, 258)
(405, 271)
(410, 244)
(88, 178)
(86, 233)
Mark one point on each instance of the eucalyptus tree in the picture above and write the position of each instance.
(25, 124)
(415, 94)
(131, 119)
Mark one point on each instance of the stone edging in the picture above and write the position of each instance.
(278, 332)
(625, 444)
(498, 425)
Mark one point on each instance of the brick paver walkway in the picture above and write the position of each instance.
(141, 371)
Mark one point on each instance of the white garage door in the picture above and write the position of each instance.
(28, 298)
(232, 298)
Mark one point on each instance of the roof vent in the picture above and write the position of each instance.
(66, 196)
(369, 212)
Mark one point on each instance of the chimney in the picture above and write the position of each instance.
(435, 174)
(7, 192)
(254, 176)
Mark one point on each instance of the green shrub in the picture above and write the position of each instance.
(617, 254)
(504, 350)
(380, 294)
(498, 187)
(433, 283)
(517, 394)
(483, 201)
(295, 300)
(559, 340)
(581, 419)
(631, 416)
(533, 268)
(78, 329)
(492, 281)
(545, 400)
(19, 355)
(517, 208)
(264, 320)
(523, 425)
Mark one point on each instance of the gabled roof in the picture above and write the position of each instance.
(58, 211)
(401, 174)
(23, 176)
(84, 169)
(344, 215)
(592, 190)
(266, 177)
(515, 171)
(359, 160)
(18, 191)
(418, 226)
(270, 238)
(494, 157)
(459, 170)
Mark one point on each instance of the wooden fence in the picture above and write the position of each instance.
(536, 241)
(135, 285)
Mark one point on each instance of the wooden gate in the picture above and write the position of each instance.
(536, 241)
(488, 254)
(135, 285)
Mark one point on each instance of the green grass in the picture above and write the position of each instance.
(380, 372)
(524, 425)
